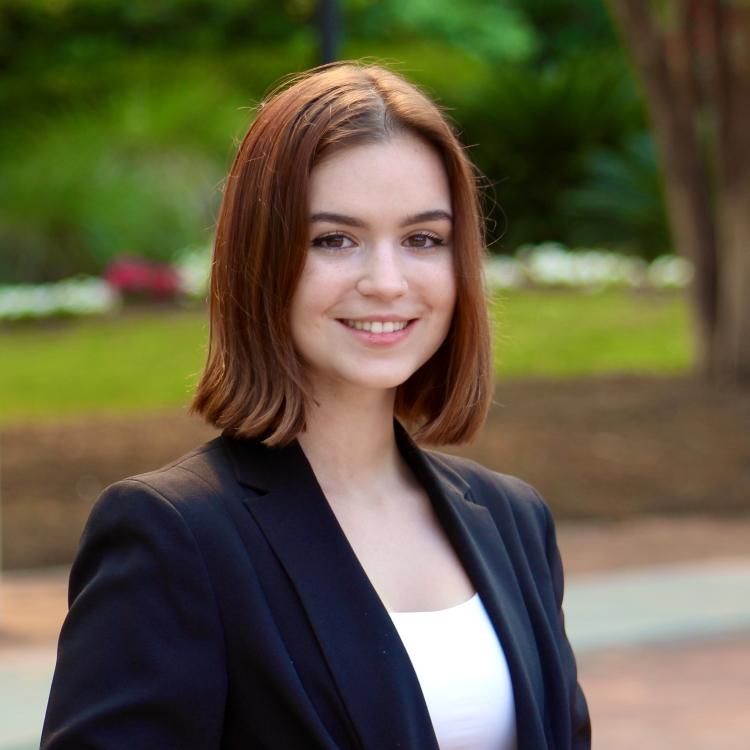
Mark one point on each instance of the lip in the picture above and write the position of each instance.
(380, 339)
(381, 318)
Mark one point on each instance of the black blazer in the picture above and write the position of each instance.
(216, 603)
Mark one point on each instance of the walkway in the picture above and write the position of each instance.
(663, 649)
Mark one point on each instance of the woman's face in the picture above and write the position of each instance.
(377, 293)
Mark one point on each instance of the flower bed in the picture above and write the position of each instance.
(82, 295)
(140, 278)
(552, 264)
(546, 265)
(127, 277)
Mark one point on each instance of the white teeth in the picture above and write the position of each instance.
(376, 326)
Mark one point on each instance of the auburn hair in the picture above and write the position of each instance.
(254, 384)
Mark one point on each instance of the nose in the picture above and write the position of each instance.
(382, 274)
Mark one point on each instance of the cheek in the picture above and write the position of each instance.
(442, 290)
(311, 291)
(318, 290)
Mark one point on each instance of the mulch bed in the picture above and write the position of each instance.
(608, 448)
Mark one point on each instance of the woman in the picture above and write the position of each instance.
(312, 578)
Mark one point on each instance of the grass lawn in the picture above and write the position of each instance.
(134, 361)
(142, 361)
(564, 334)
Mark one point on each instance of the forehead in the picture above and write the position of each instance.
(401, 176)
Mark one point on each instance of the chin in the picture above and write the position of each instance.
(379, 380)
(377, 384)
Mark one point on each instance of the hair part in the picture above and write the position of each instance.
(254, 384)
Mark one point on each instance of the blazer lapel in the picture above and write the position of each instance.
(483, 553)
(368, 662)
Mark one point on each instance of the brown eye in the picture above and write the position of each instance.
(423, 240)
(332, 242)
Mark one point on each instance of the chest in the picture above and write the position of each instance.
(404, 551)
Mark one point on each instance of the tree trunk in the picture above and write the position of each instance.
(694, 63)
(731, 362)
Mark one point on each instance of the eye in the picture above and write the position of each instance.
(423, 240)
(333, 241)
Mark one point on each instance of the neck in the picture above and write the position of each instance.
(349, 439)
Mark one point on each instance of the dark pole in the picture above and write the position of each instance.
(328, 19)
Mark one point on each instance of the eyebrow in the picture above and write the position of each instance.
(436, 215)
(350, 221)
(331, 218)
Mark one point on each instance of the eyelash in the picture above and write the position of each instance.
(319, 241)
(430, 235)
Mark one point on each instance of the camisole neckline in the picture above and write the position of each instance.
(439, 611)
(461, 668)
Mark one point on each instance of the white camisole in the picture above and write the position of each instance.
(463, 674)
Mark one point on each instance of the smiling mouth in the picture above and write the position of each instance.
(376, 326)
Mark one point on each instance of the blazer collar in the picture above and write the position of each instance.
(366, 657)
(264, 469)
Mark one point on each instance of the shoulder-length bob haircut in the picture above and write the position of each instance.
(254, 384)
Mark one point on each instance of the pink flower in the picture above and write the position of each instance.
(135, 276)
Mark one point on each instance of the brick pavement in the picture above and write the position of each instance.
(678, 696)
(33, 605)
(595, 546)
(689, 696)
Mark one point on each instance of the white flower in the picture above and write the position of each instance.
(552, 264)
(82, 295)
(193, 266)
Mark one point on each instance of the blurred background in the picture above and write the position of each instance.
(614, 140)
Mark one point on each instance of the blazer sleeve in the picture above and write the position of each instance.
(141, 660)
(580, 722)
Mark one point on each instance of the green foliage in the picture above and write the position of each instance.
(454, 78)
(534, 133)
(128, 177)
(140, 362)
(62, 53)
(569, 27)
(31, 29)
(138, 171)
(490, 30)
(125, 111)
(622, 201)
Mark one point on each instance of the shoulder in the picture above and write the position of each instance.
(170, 520)
(480, 478)
(188, 490)
(201, 471)
(201, 466)
(522, 518)
(501, 494)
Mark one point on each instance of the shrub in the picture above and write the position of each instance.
(535, 133)
(136, 174)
